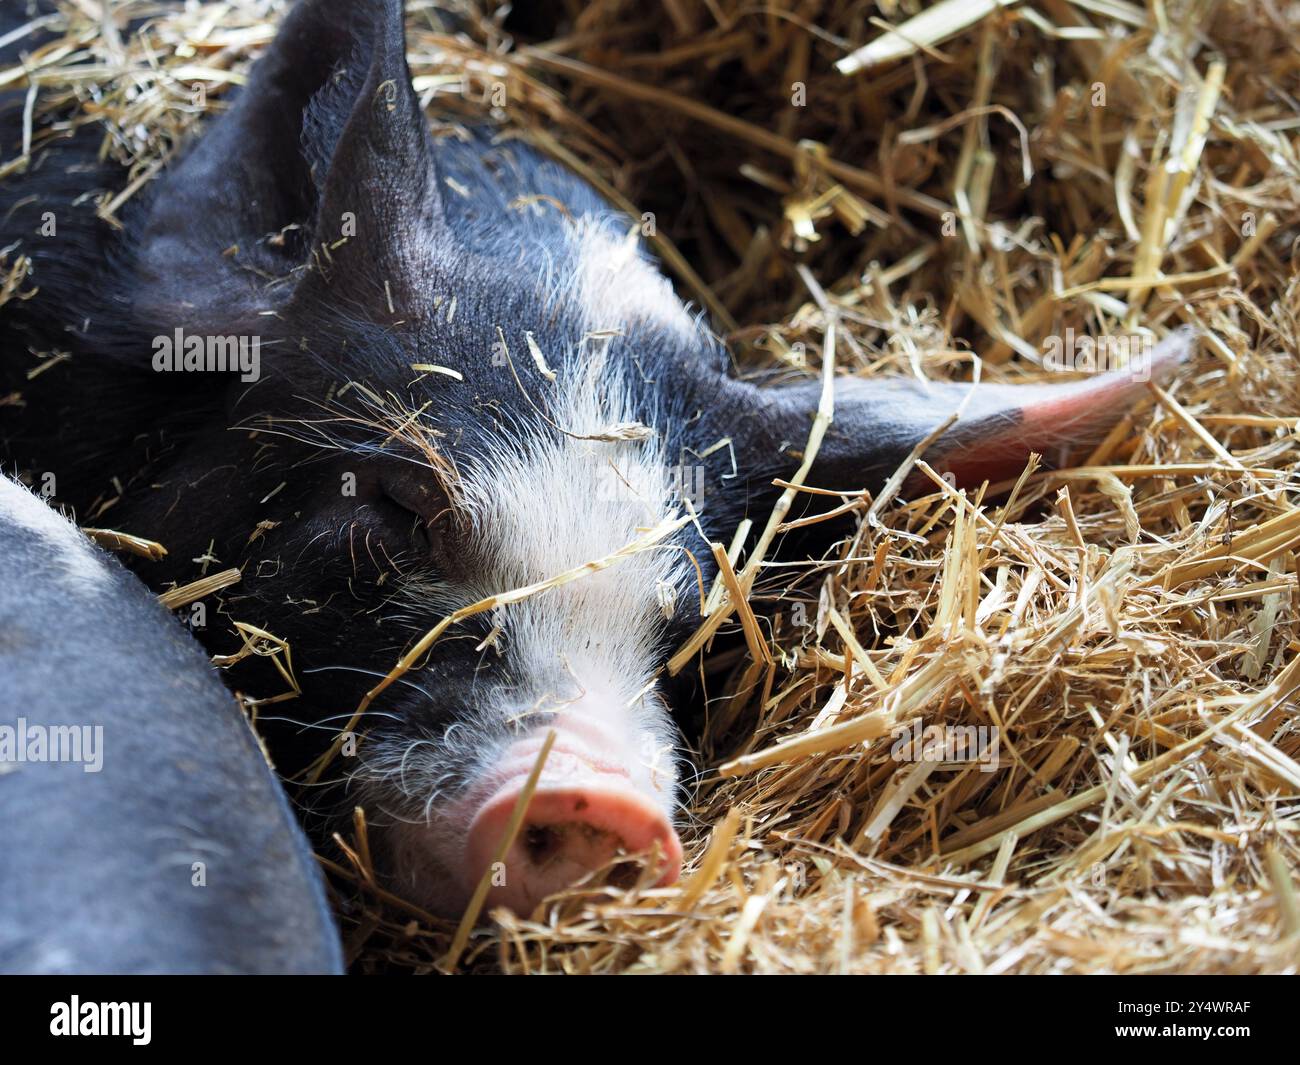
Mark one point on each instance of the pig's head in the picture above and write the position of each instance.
(473, 381)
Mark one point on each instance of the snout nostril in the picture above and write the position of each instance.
(545, 843)
(624, 875)
(542, 843)
(601, 827)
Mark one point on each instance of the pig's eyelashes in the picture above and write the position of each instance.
(420, 516)
(406, 533)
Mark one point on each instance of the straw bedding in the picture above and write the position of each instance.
(933, 192)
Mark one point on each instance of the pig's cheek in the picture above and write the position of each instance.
(421, 862)
(659, 771)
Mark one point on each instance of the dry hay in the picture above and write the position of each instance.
(973, 186)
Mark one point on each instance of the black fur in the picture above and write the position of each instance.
(99, 867)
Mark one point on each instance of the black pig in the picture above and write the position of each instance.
(468, 379)
(140, 827)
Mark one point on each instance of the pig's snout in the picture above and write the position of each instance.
(587, 809)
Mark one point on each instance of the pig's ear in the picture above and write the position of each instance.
(379, 208)
(877, 423)
(328, 114)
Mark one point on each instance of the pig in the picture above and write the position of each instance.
(142, 829)
(462, 375)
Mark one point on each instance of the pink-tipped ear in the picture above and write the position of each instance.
(879, 422)
(1003, 424)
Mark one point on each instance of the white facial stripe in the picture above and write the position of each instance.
(616, 285)
(545, 501)
(552, 502)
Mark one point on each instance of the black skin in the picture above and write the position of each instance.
(229, 242)
(98, 871)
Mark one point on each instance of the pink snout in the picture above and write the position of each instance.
(582, 815)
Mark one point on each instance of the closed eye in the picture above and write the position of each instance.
(399, 518)
(418, 512)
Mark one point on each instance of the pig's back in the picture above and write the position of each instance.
(99, 870)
